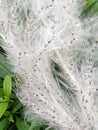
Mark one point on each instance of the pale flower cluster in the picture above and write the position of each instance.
(54, 55)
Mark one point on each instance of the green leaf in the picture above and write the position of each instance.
(21, 125)
(89, 2)
(90, 9)
(7, 113)
(7, 86)
(35, 125)
(4, 66)
(3, 107)
(11, 118)
(11, 127)
(3, 124)
(1, 99)
(1, 82)
(1, 92)
(17, 105)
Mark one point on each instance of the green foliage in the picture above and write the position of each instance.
(3, 123)
(3, 107)
(21, 125)
(8, 106)
(4, 67)
(90, 9)
(7, 86)
(11, 108)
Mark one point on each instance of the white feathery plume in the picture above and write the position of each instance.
(41, 35)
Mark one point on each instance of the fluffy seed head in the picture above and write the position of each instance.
(54, 56)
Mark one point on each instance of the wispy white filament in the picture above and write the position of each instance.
(40, 34)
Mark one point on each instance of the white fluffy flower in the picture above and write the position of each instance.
(54, 54)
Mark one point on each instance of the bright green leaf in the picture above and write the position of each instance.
(1, 99)
(11, 118)
(7, 86)
(3, 107)
(90, 2)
